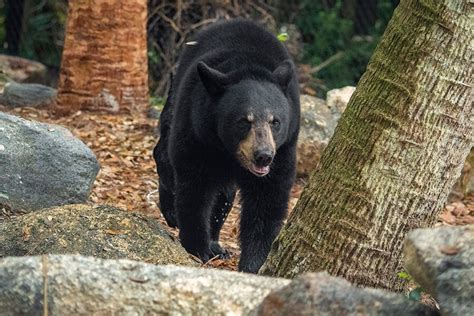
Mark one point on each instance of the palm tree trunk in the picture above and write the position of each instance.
(395, 154)
(104, 64)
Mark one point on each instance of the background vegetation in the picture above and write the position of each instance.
(346, 28)
(340, 34)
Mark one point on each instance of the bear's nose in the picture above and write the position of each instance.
(263, 157)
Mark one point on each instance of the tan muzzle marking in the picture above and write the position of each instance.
(258, 136)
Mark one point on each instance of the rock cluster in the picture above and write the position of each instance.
(77, 285)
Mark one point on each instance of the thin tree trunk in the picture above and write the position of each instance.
(395, 155)
(14, 25)
(104, 65)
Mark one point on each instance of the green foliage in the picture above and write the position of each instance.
(282, 37)
(327, 31)
(153, 56)
(42, 32)
(157, 102)
(38, 43)
(404, 275)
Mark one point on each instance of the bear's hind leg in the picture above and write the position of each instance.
(167, 205)
(166, 181)
(164, 168)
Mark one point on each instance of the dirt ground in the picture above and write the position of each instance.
(127, 179)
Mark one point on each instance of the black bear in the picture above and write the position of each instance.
(231, 120)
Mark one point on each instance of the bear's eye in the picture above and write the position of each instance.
(275, 122)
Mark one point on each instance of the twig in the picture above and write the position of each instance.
(326, 63)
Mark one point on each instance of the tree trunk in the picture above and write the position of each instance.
(395, 155)
(14, 25)
(104, 64)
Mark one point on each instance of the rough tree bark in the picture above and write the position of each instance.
(395, 155)
(104, 63)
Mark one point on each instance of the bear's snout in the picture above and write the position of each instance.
(257, 150)
(263, 157)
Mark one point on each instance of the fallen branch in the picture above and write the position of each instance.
(326, 63)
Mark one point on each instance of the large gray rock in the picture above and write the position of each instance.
(322, 294)
(100, 231)
(317, 125)
(75, 285)
(42, 165)
(441, 260)
(318, 122)
(338, 99)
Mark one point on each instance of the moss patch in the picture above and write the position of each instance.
(102, 231)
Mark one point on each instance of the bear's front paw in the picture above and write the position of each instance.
(200, 250)
(217, 250)
(204, 254)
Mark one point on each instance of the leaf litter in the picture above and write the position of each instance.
(123, 145)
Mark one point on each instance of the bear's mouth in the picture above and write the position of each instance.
(259, 171)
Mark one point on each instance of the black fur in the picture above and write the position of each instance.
(236, 67)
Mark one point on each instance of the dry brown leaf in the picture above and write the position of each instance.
(116, 232)
(448, 218)
(26, 233)
(468, 220)
(449, 250)
(123, 146)
(137, 280)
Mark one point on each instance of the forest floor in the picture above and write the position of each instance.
(127, 178)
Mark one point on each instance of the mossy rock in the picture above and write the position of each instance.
(100, 231)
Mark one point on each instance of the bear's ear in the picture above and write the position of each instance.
(283, 73)
(214, 80)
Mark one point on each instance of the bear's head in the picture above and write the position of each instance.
(252, 114)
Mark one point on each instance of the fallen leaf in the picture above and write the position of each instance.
(128, 172)
(137, 280)
(468, 219)
(448, 218)
(62, 242)
(116, 232)
(449, 250)
(26, 233)
(125, 222)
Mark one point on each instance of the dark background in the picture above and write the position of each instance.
(343, 32)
